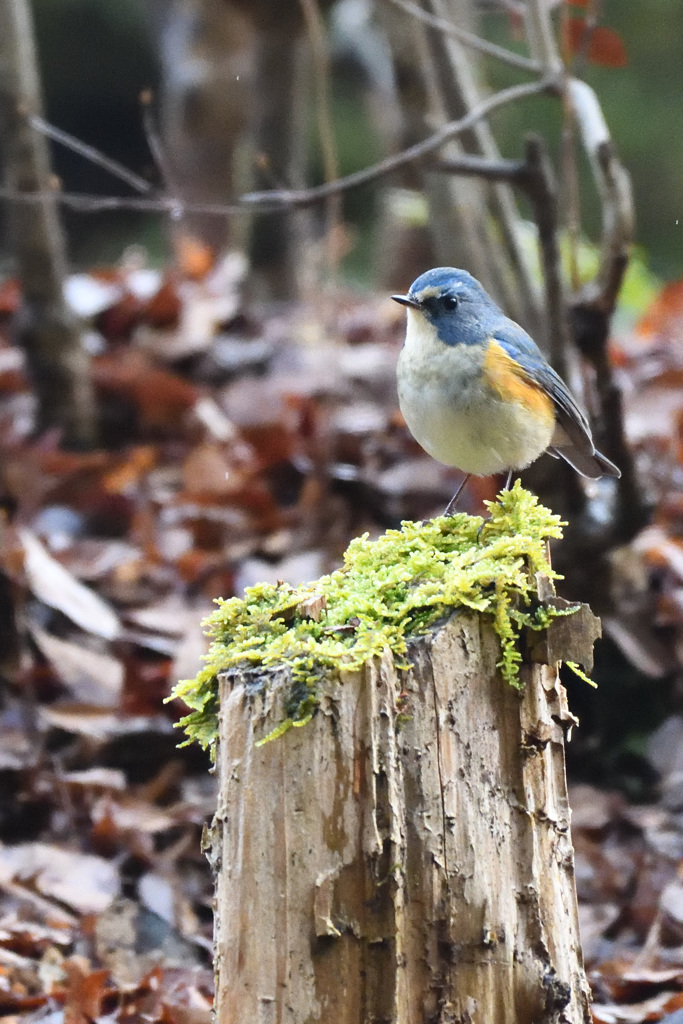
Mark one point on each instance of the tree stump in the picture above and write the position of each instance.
(406, 856)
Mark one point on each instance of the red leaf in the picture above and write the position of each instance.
(162, 398)
(605, 46)
(665, 312)
(163, 309)
(85, 991)
(119, 321)
(10, 296)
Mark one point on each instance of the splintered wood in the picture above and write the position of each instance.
(405, 857)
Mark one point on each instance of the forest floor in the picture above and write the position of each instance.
(238, 447)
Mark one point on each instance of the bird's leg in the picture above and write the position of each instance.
(508, 480)
(450, 507)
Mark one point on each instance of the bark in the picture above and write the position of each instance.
(44, 326)
(406, 856)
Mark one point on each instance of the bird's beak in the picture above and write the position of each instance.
(406, 300)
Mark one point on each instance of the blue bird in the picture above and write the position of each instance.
(475, 390)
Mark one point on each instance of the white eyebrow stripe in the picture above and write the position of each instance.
(428, 293)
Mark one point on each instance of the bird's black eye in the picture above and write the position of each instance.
(449, 302)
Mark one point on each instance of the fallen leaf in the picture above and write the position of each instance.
(90, 676)
(97, 778)
(160, 397)
(631, 1013)
(52, 584)
(664, 312)
(85, 991)
(165, 307)
(10, 296)
(83, 881)
(87, 295)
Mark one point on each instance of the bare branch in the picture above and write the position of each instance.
(81, 202)
(277, 200)
(614, 187)
(305, 197)
(535, 176)
(95, 156)
(541, 37)
(157, 150)
(514, 171)
(593, 306)
(469, 38)
(541, 189)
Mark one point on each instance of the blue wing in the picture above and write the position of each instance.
(573, 440)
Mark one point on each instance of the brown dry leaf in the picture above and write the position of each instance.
(97, 778)
(118, 322)
(138, 463)
(83, 881)
(593, 809)
(52, 584)
(665, 313)
(631, 1013)
(164, 308)
(17, 1002)
(10, 296)
(208, 470)
(193, 645)
(131, 815)
(594, 920)
(161, 398)
(172, 616)
(12, 375)
(91, 677)
(95, 723)
(85, 991)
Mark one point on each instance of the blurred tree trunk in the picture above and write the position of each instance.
(207, 99)
(44, 326)
(233, 89)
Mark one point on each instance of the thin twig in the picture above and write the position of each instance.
(541, 37)
(536, 178)
(305, 197)
(475, 42)
(90, 153)
(542, 191)
(158, 152)
(514, 171)
(613, 185)
(274, 201)
(81, 202)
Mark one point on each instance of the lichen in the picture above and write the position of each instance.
(386, 591)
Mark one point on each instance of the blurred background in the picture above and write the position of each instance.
(96, 58)
(197, 393)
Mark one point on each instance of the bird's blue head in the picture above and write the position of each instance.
(454, 302)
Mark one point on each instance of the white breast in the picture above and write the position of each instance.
(456, 418)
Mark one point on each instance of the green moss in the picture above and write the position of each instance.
(386, 591)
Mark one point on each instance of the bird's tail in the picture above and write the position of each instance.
(592, 465)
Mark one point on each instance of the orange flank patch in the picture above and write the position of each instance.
(513, 384)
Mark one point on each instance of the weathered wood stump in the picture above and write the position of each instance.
(406, 856)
